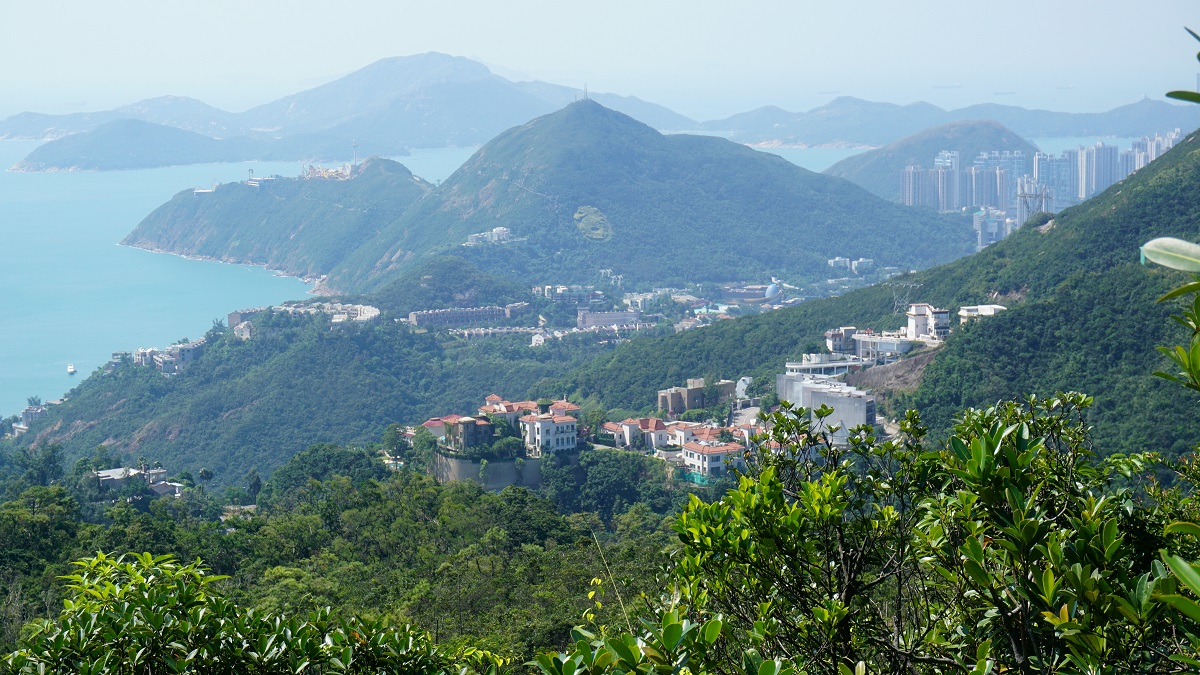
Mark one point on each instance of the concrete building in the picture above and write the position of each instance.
(968, 312)
(927, 321)
(651, 430)
(841, 340)
(829, 365)
(881, 347)
(588, 319)
(675, 400)
(467, 432)
(852, 407)
(144, 356)
(32, 414)
(712, 459)
(166, 364)
(547, 433)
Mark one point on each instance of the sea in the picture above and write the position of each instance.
(70, 294)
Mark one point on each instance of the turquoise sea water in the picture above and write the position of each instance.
(72, 295)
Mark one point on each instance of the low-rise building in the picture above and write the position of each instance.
(32, 413)
(968, 312)
(825, 364)
(695, 395)
(841, 340)
(881, 347)
(166, 364)
(852, 407)
(712, 458)
(588, 319)
(548, 433)
(467, 432)
(927, 321)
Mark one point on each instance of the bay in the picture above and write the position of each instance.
(72, 295)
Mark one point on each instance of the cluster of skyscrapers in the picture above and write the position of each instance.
(1012, 181)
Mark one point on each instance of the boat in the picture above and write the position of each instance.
(70, 368)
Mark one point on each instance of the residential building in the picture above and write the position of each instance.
(927, 321)
(144, 356)
(651, 431)
(467, 432)
(588, 319)
(881, 347)
(31, 414)
(166, 364)
(969, 312)
(547, 433)
(841, 340)
(695, 395)
(711, 458)
(825, 364)
(495, 406)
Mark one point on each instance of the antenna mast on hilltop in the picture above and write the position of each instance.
(354, 160)
(585, 96)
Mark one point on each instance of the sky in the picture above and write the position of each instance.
(701, 58)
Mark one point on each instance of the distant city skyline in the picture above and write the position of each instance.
(703, 59)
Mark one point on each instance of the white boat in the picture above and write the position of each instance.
(70, 368)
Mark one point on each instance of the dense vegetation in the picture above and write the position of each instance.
(879, 170)
(447, 282)
(335, 529)
(675, 208)
(255, 403)
(302, 227)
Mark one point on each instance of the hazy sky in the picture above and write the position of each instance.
(703, 59)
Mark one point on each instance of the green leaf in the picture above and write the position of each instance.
(1189, 96)
(1193, 287)
(1174, 253)
(1184, 571)
(1181, 527)
(1185, 605)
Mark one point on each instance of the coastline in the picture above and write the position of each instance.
(316, 285)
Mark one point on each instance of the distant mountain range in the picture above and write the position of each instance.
(852, 121)
(879, 170)
(426, 100)
(437, 100)
(581, 189)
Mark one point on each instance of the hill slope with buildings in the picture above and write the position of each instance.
(1081, 316)
(880, 170)
(588, 188)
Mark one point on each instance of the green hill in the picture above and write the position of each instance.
(1082, 316)
(303, 227)
(879, 170)
(589, 188)
(254, 403)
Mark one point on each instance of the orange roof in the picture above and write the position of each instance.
(433, 422)
(493, 398)
(564, 405)
(451, 418)
(563, 419)
(612, 426)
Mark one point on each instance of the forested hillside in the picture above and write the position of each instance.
(588, 188)
(302, 227)
(255, 403)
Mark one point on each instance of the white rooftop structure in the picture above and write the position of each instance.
(968, 312)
